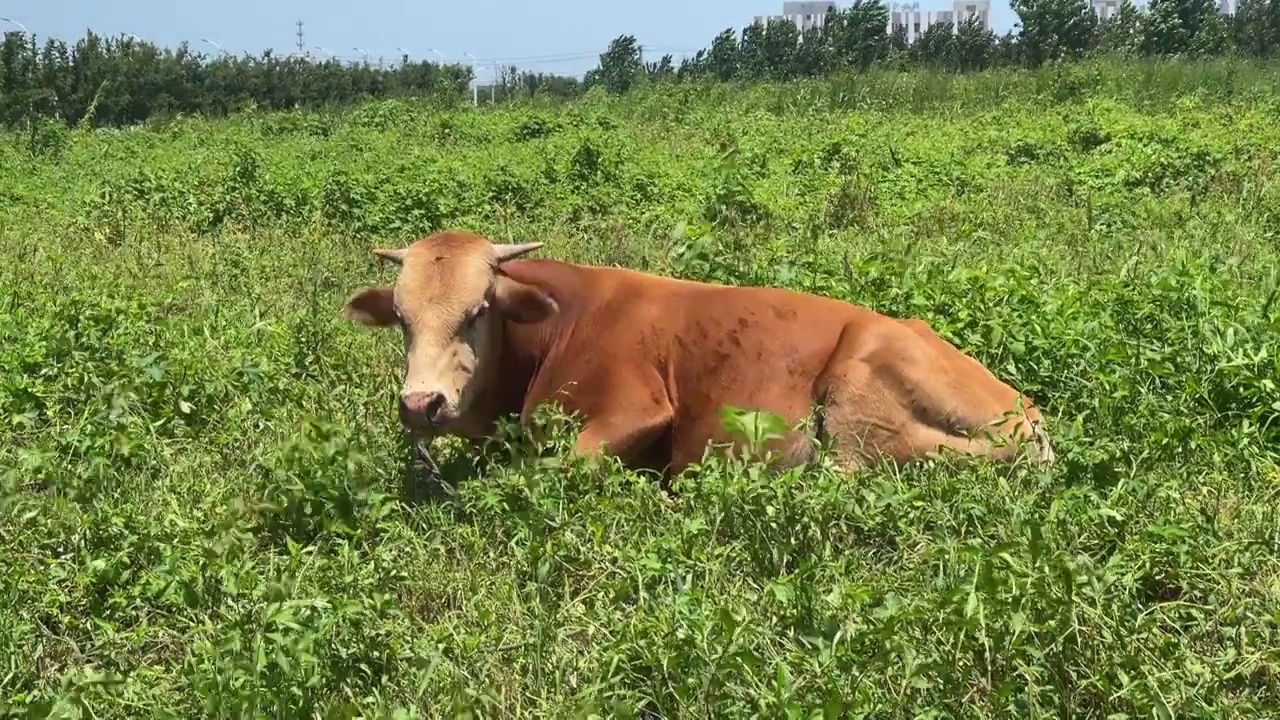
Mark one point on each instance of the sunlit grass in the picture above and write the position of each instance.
(207, 504)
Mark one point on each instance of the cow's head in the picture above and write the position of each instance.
(449, 301)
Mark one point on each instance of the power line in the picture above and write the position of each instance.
(584, 54)
(556, 56)
(523, 61)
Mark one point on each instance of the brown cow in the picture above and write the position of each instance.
(650, 361)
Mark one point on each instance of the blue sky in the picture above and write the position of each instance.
(564, 36)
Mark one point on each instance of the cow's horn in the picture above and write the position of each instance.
(395, 256)
(506, 252)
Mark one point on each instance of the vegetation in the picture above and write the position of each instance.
(105, 81)
(208, 507)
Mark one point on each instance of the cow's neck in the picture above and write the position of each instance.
(525, 348)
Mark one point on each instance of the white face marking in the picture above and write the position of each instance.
(441, 301)
(442, 298)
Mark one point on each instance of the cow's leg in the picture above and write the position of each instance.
(984, 404)
(628, 435)
(624, 412)
(899, 392)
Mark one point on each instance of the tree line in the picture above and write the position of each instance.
(122, 81)
(860, 37)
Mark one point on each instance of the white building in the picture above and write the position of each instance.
(1105, 9)
(813, 14)
(804, 14)
(915, 21)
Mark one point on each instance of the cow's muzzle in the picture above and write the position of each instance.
(421, 408)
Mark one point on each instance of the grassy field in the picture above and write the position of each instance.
(203, 486)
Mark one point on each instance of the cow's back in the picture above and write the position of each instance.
(625, 337)
(711, 345)
(707, 339)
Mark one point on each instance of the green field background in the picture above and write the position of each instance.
(204, 502)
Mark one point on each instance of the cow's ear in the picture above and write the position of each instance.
(374, 307)
(522, 303)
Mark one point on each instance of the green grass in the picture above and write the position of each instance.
(204, 499)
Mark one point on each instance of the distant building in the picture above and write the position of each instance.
(805, 15)
(915, 21)
(910, 17)
(1105, 9)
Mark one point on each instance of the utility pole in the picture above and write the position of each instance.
(301, 44)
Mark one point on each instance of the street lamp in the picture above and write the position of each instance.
(495, 77)
(207, 40)
(475, 89)
(11, 21)
(437, 52)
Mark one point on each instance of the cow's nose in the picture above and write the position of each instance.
(422, 404)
